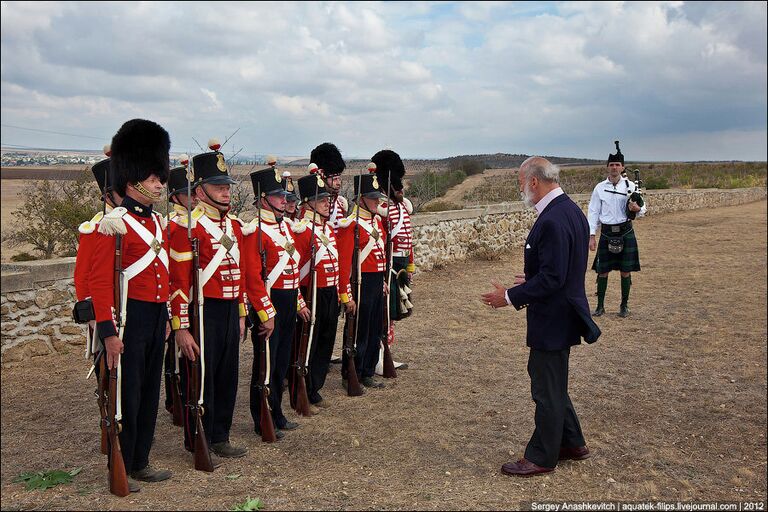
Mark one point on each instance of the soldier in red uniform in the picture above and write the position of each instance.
(177, 215)
(328, 158)
(292, 200)
(372, 263)
(276, 299)
(220, 238)
(87, 242)
(316, 206)
(397, 222)
(135, 344)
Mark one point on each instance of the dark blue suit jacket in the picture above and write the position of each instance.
(555, 265)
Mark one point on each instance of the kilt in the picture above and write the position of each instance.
(628, 260)
(398, 264)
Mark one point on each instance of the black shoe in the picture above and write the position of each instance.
(226, 450)
(370, 383)
(600, 311)
(623, 311)
(133, 485)
(278, 433)
(288, 425)
(150, 474)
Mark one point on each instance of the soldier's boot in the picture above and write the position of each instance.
(133, 485)
(150, 474)
(226, 450)
(623, 311)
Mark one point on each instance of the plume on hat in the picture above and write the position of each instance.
(139, 150)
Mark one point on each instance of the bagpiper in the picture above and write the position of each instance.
(314, 229)
(275, 299)
(220, 241)
(371, 264)
(130, 289)
(390, 171)
(613, 209)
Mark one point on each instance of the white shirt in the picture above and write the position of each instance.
(608, 204)
(544, 201)
(540, 206)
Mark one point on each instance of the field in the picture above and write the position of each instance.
(672, 400)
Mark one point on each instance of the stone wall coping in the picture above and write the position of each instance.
(24, 274)
(429, 218)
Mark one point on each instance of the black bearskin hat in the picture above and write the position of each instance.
(618, 157)
(389, 169)
(139, 150)
(328, 158)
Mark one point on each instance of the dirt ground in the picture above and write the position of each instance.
(672, 400)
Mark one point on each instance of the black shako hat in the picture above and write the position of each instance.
(211, 167)
(367, 185)
(100, 170)
(389, 169)
(308, 184)
(328, 159)
(289, 187)
(268, 182)
(139, 150)
(177, 178)
(618, 157)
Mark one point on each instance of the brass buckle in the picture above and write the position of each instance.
(226, 242)
(156, 246)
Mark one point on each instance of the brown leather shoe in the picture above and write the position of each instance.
(524, 467)
(579, 453)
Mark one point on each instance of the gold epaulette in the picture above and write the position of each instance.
(346, 222)
(300, 226)
(112, 223)
(90, 226)
(234, 217)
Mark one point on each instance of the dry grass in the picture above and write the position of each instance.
(672, 400)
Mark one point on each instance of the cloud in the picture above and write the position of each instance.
(428, 78)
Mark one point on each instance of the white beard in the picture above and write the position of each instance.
(527, 197)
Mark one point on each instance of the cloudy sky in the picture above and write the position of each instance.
(671, 80)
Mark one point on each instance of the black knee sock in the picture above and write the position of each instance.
(626, 284)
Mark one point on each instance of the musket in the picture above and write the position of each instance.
(172, 376)
(118, 479)
(303, 338)
(388, 371)
(266, 424)
(350, 328)
(203, 460)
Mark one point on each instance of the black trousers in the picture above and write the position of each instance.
(169, 368)
(141, 368)
(323, 338)
(221, 324)
(556, 422)
(370, 311)
(280, 343)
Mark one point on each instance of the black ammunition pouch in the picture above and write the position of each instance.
(83, 311)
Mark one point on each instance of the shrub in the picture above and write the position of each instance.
(23, 256)
(441, 206)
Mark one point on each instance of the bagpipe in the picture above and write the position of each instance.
(636, 196)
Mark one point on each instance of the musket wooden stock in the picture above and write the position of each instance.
(296, 377)
(202, 454)
(174, 380)
(101, 398)
(118, 479)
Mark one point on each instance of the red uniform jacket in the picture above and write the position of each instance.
(326, 251)
(84, 259)
(150, 284)
(224, 278)
(282, 263)
(399, 227)
(371, 241)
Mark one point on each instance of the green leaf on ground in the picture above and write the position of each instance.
(250, 504)
(46, 479)
(232, 477)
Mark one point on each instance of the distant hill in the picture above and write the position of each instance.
(494, 161)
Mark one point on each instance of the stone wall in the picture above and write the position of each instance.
(36, 309)
(37, 297)
(442, 237)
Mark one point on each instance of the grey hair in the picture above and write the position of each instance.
(540, 168)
